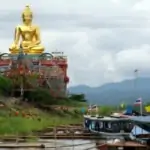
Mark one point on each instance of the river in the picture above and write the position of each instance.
(82, 145)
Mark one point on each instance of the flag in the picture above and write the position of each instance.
(136, 70)
(92, 107)
(122, 105)
(147, 108)
(138, 102)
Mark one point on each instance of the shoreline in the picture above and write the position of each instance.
(61, 132)
(58, 132)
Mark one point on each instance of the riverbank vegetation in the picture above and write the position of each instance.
(26, 121)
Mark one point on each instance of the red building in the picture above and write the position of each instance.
(51, 68)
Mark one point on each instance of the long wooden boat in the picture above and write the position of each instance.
(107, 127)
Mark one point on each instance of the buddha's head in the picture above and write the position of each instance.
(27, 15)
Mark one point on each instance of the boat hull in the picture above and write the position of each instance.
(111, 135)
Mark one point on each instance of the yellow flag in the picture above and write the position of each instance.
(122, 105)
(147, 108)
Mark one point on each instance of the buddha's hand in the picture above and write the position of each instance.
(31, 45)
(26, 48)
(14, 46)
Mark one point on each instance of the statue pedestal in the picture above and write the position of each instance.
(26, 51)
(34, 52)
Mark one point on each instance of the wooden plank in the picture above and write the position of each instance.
(22, 145)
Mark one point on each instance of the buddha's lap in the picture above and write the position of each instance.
(37, 47)
(14, 48)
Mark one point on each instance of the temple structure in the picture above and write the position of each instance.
(27, 50)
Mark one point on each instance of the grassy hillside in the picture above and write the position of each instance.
(25, 125)
(24, 118)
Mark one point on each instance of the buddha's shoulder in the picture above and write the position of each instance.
(18, 26)
(22, 26)
(35, 26)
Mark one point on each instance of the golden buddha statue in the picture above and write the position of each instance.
(27, 36)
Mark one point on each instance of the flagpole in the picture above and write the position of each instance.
(141, 107)
(97, 110)
(90, 109)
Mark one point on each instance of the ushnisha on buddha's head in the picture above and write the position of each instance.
(27, 15)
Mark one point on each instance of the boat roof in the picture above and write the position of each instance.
(105, 118)
(142, 119)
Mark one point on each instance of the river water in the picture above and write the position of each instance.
(82, 145)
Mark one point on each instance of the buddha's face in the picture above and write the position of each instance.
(27, 18)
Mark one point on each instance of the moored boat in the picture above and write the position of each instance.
(108, 126)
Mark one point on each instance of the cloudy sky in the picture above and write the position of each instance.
(105, 40)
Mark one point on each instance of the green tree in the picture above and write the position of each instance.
(5, 86)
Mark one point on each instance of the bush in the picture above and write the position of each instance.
(77, 97)
(41, 96)
(106, 110)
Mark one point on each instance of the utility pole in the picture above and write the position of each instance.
(136, 71)
(136, 75)
(22, 87)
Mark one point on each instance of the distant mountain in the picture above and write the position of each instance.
(114, 93)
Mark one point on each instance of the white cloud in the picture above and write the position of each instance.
(142, 5)
(134, 58)
(105, 40)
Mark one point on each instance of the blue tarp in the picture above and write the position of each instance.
(128, 111)
(137, 131)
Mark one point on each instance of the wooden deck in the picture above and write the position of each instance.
(127, 144)
(103, 146)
